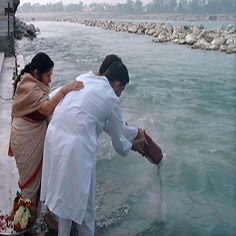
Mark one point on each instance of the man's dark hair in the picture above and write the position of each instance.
(108, 61)
(118, 71)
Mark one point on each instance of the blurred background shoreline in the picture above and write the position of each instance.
(197, 18)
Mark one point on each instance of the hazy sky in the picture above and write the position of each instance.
(77, 1)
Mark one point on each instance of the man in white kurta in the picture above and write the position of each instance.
(68, 177)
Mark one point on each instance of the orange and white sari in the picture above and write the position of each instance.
(28, 133)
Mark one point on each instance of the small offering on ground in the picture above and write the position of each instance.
(22, 215)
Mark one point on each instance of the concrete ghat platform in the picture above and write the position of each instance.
(8, 170)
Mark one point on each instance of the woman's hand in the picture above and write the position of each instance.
(72, 86)
(48, 108)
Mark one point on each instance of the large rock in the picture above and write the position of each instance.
(182, 36)
(175, 40)
(140, 31)
(120, 28)
(31, 31)
(202, 34)
(163, 38)
(210, 36)
(156, 34)
(185, 27)
(203, 44)
(218, 41)
(151, 31)
(150, 26)
(232, 31)
(230, 41)
(165, 31)
(223, 48)
(176, 32)
(191, 39)
(24, 30)
(181, 41)
(231, 50)
(195, 46)
(174, 37)
(197, 30)
(169, 28)
(214, 47)
(132, 29)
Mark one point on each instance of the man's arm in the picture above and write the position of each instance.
(129, 132)
(122, 136)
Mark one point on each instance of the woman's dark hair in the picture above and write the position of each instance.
(118, 71)
(108, 61)
(41, 62)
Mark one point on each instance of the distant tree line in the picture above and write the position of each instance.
(51, 7)
(192, 6)
(137, 7)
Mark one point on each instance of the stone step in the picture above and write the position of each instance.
(8, 173)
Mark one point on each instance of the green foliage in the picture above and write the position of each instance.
(220, 6)
(137, 7)
(74, 7)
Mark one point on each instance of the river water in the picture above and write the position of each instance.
(185, 99)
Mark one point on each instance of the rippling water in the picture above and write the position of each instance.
(185, 99)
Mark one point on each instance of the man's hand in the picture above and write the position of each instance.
(138, 145)
(141, 134)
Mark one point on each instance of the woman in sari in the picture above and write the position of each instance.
(30, 111)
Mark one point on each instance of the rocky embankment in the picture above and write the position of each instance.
(198, 37)
(21, 29)
(24, 30)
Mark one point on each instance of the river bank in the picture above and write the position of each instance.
(37, 16)
(197, 36)
(180, 29)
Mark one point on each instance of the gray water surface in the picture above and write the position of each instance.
(185, 99)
